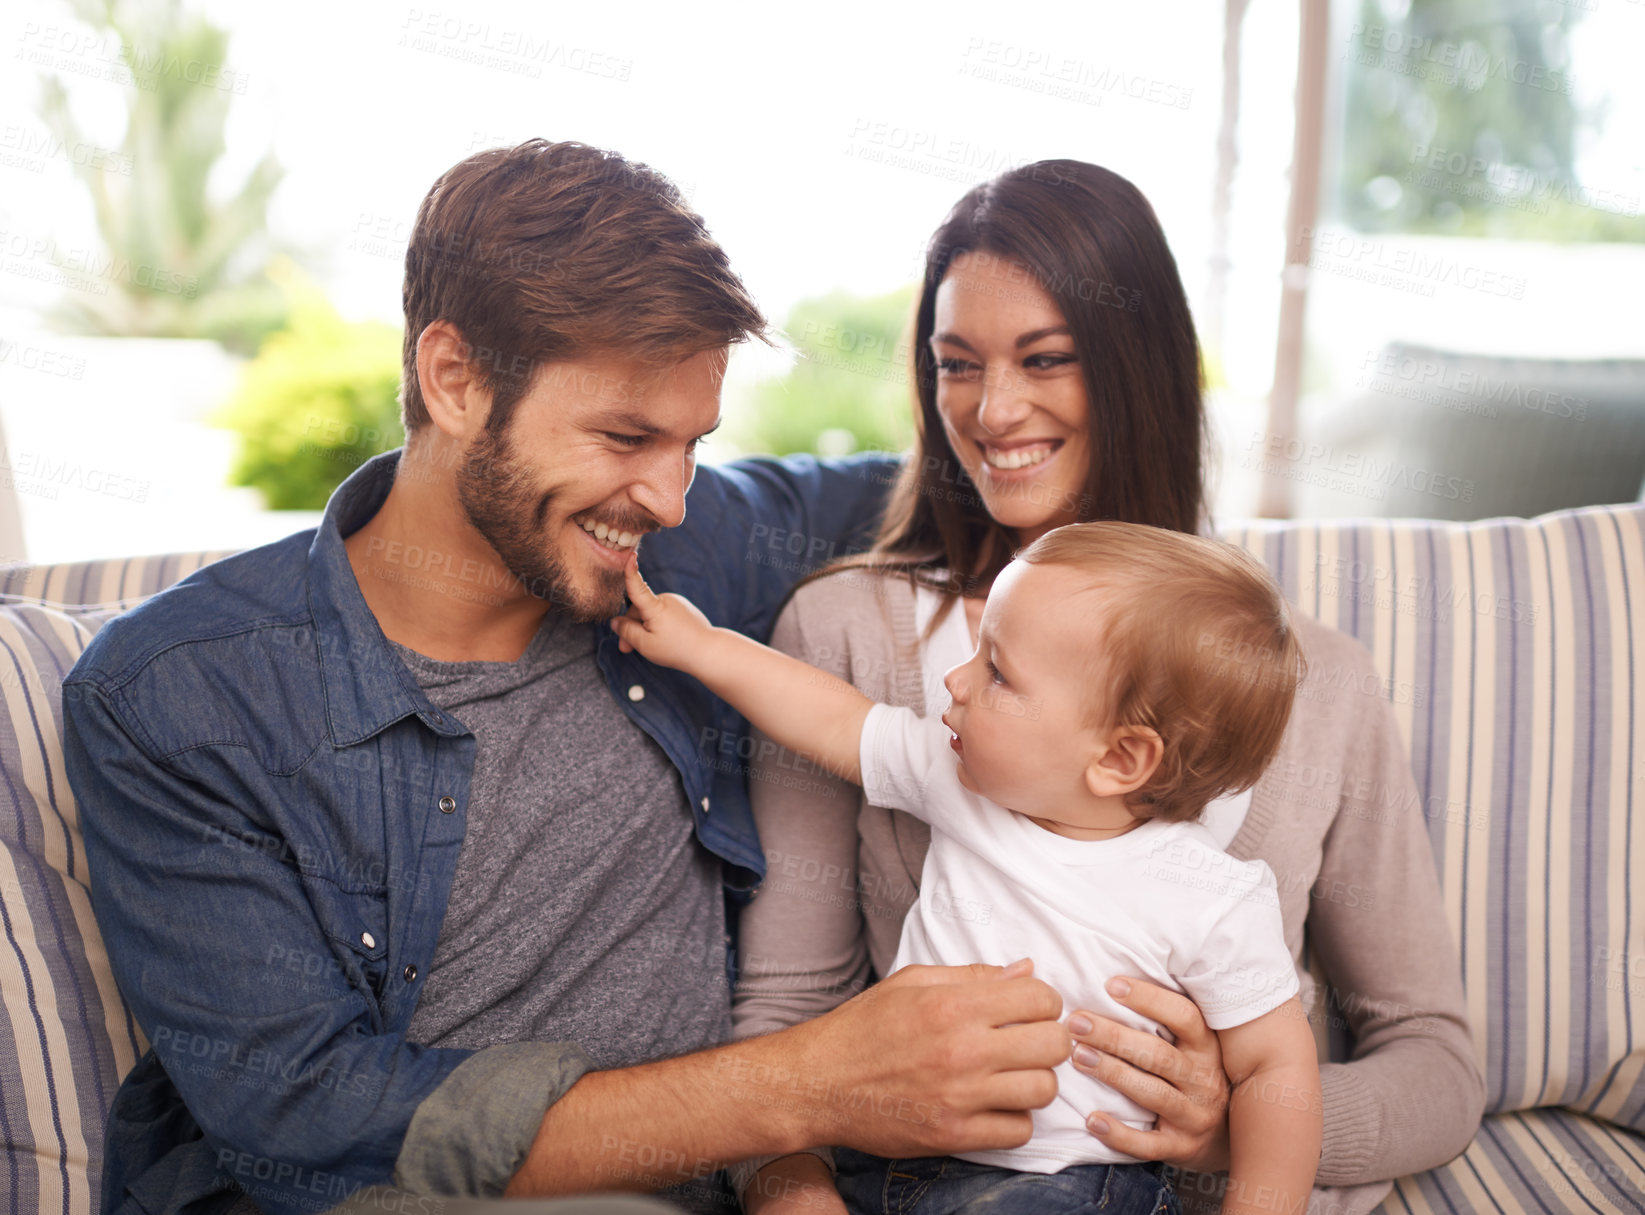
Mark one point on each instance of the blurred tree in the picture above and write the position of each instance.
(184, 264)
(320, 398)
(850, 388)
(1460, 119)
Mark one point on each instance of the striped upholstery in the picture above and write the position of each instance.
(1536, 1160)
(68, 1038)
(99, 586)
(1514, 655)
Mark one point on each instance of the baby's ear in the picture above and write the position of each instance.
(1124, 762)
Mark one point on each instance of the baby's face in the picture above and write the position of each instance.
(1019, 715)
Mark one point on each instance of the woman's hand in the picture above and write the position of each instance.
(1182, 1083)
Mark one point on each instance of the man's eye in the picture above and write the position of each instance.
(625, 440)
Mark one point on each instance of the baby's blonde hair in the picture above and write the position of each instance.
(1198, 646)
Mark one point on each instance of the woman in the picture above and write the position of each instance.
(1058, 379)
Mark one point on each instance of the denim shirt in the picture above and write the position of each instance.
(273, 812)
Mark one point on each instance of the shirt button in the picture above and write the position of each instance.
(411, 974)
(705, 805)
(636, 692)
(447, 805)
(369, 941)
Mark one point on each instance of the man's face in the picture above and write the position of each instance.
(597, 454)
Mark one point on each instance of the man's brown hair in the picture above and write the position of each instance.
(1197, 645)
(551, 251)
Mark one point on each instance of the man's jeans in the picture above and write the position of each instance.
(946, 1185)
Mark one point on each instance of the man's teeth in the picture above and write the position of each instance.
(610, 536)
(1020, 457)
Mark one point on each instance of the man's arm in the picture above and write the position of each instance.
(810, 712)
(263, 1023)
(1275, 1115)
(932, 1061)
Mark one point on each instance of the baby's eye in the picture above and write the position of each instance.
(994, 674)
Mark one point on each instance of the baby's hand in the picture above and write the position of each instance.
(667, 629)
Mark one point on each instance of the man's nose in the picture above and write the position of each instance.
(662, 485)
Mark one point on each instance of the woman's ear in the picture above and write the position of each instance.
(1125, 763)
(457, 402)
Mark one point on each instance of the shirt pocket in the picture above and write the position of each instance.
(355, 923)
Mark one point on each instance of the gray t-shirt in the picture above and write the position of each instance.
(583, 908)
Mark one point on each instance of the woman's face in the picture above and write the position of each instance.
(1011, 393)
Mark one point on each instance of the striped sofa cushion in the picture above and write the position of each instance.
(1535, 1160)
(69, 1038)
(1513, 652)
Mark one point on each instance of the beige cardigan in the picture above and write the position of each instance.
(1336, 817)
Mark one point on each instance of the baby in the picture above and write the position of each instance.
(1124, 676)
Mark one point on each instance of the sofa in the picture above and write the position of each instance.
(1513, 653)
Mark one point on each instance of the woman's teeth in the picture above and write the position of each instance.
(1016, 457)
(610, 536)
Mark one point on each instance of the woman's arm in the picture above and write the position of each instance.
(1412, 1094)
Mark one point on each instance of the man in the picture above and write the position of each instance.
(405, 871)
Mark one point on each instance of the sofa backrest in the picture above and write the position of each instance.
(1513, 652)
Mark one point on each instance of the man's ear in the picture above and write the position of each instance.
(457, 402)
(1125, 762)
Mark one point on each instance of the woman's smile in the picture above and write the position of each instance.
(1017, 461)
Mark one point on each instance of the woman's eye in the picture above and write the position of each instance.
(1044, 362)
(958, 367)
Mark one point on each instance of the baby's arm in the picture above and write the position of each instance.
(806, 710)
(1275, 1116)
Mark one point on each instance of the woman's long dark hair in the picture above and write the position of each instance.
(1090, 240)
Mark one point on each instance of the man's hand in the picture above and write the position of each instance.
(667, 629)
(932, 1061)
(936, 1060)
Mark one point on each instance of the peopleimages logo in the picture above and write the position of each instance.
(1314, 461)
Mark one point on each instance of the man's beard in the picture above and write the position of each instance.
(495, 490)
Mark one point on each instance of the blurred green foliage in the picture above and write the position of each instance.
(1461, 119)
(183, 262)
(850, 388)
(319, 399)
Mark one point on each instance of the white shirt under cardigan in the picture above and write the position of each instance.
(1162, 901)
